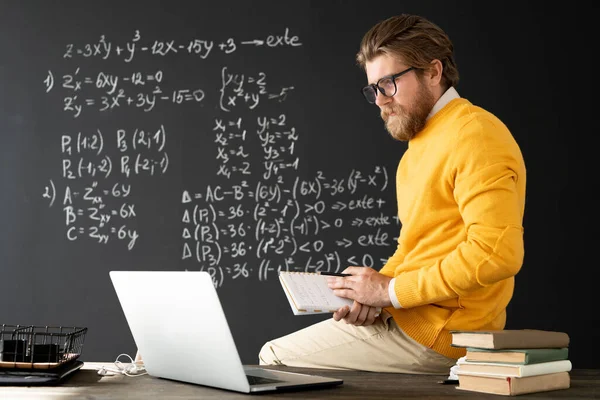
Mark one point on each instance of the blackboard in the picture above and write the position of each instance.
(232, 137)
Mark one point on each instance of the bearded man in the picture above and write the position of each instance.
(461, 199)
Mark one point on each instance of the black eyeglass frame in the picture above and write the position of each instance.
(376, 87)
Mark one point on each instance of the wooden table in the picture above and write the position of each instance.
(87, 384)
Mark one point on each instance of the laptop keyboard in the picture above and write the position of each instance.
(257, 380)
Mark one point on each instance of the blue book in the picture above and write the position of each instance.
(517, 356)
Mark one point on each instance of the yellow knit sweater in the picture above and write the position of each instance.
(461, 198)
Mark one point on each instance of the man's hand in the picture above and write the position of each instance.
(366, 286)
(358, 314)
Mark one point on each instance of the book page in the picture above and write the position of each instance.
(310, 292)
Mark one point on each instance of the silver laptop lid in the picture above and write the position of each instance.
(179, 327)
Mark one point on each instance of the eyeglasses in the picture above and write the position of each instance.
(386, 85)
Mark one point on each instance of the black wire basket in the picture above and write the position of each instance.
(39, 347)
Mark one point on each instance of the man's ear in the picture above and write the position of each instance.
(434, 72)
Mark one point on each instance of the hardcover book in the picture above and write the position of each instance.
(510, 339)
(511, 386)
(515, 369)
(517, 356)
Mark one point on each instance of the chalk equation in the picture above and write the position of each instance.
(249, 211)
(104, 48)
(106, 91)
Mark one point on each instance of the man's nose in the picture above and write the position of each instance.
(381, 100)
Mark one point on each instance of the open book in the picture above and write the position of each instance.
(308, 293)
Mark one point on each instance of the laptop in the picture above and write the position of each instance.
(181, 332)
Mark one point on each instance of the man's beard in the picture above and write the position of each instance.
(406, 124)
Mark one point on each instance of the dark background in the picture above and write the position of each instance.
(525, 64)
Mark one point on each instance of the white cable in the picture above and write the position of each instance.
(130, 369)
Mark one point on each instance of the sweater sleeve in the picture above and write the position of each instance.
(395, 260)
(488, 178)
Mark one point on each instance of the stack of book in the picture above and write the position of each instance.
(513, 362)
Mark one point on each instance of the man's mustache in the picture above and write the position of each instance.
(385, 113)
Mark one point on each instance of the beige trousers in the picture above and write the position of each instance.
(381, 347)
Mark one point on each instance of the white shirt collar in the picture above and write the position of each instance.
(449, 95)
